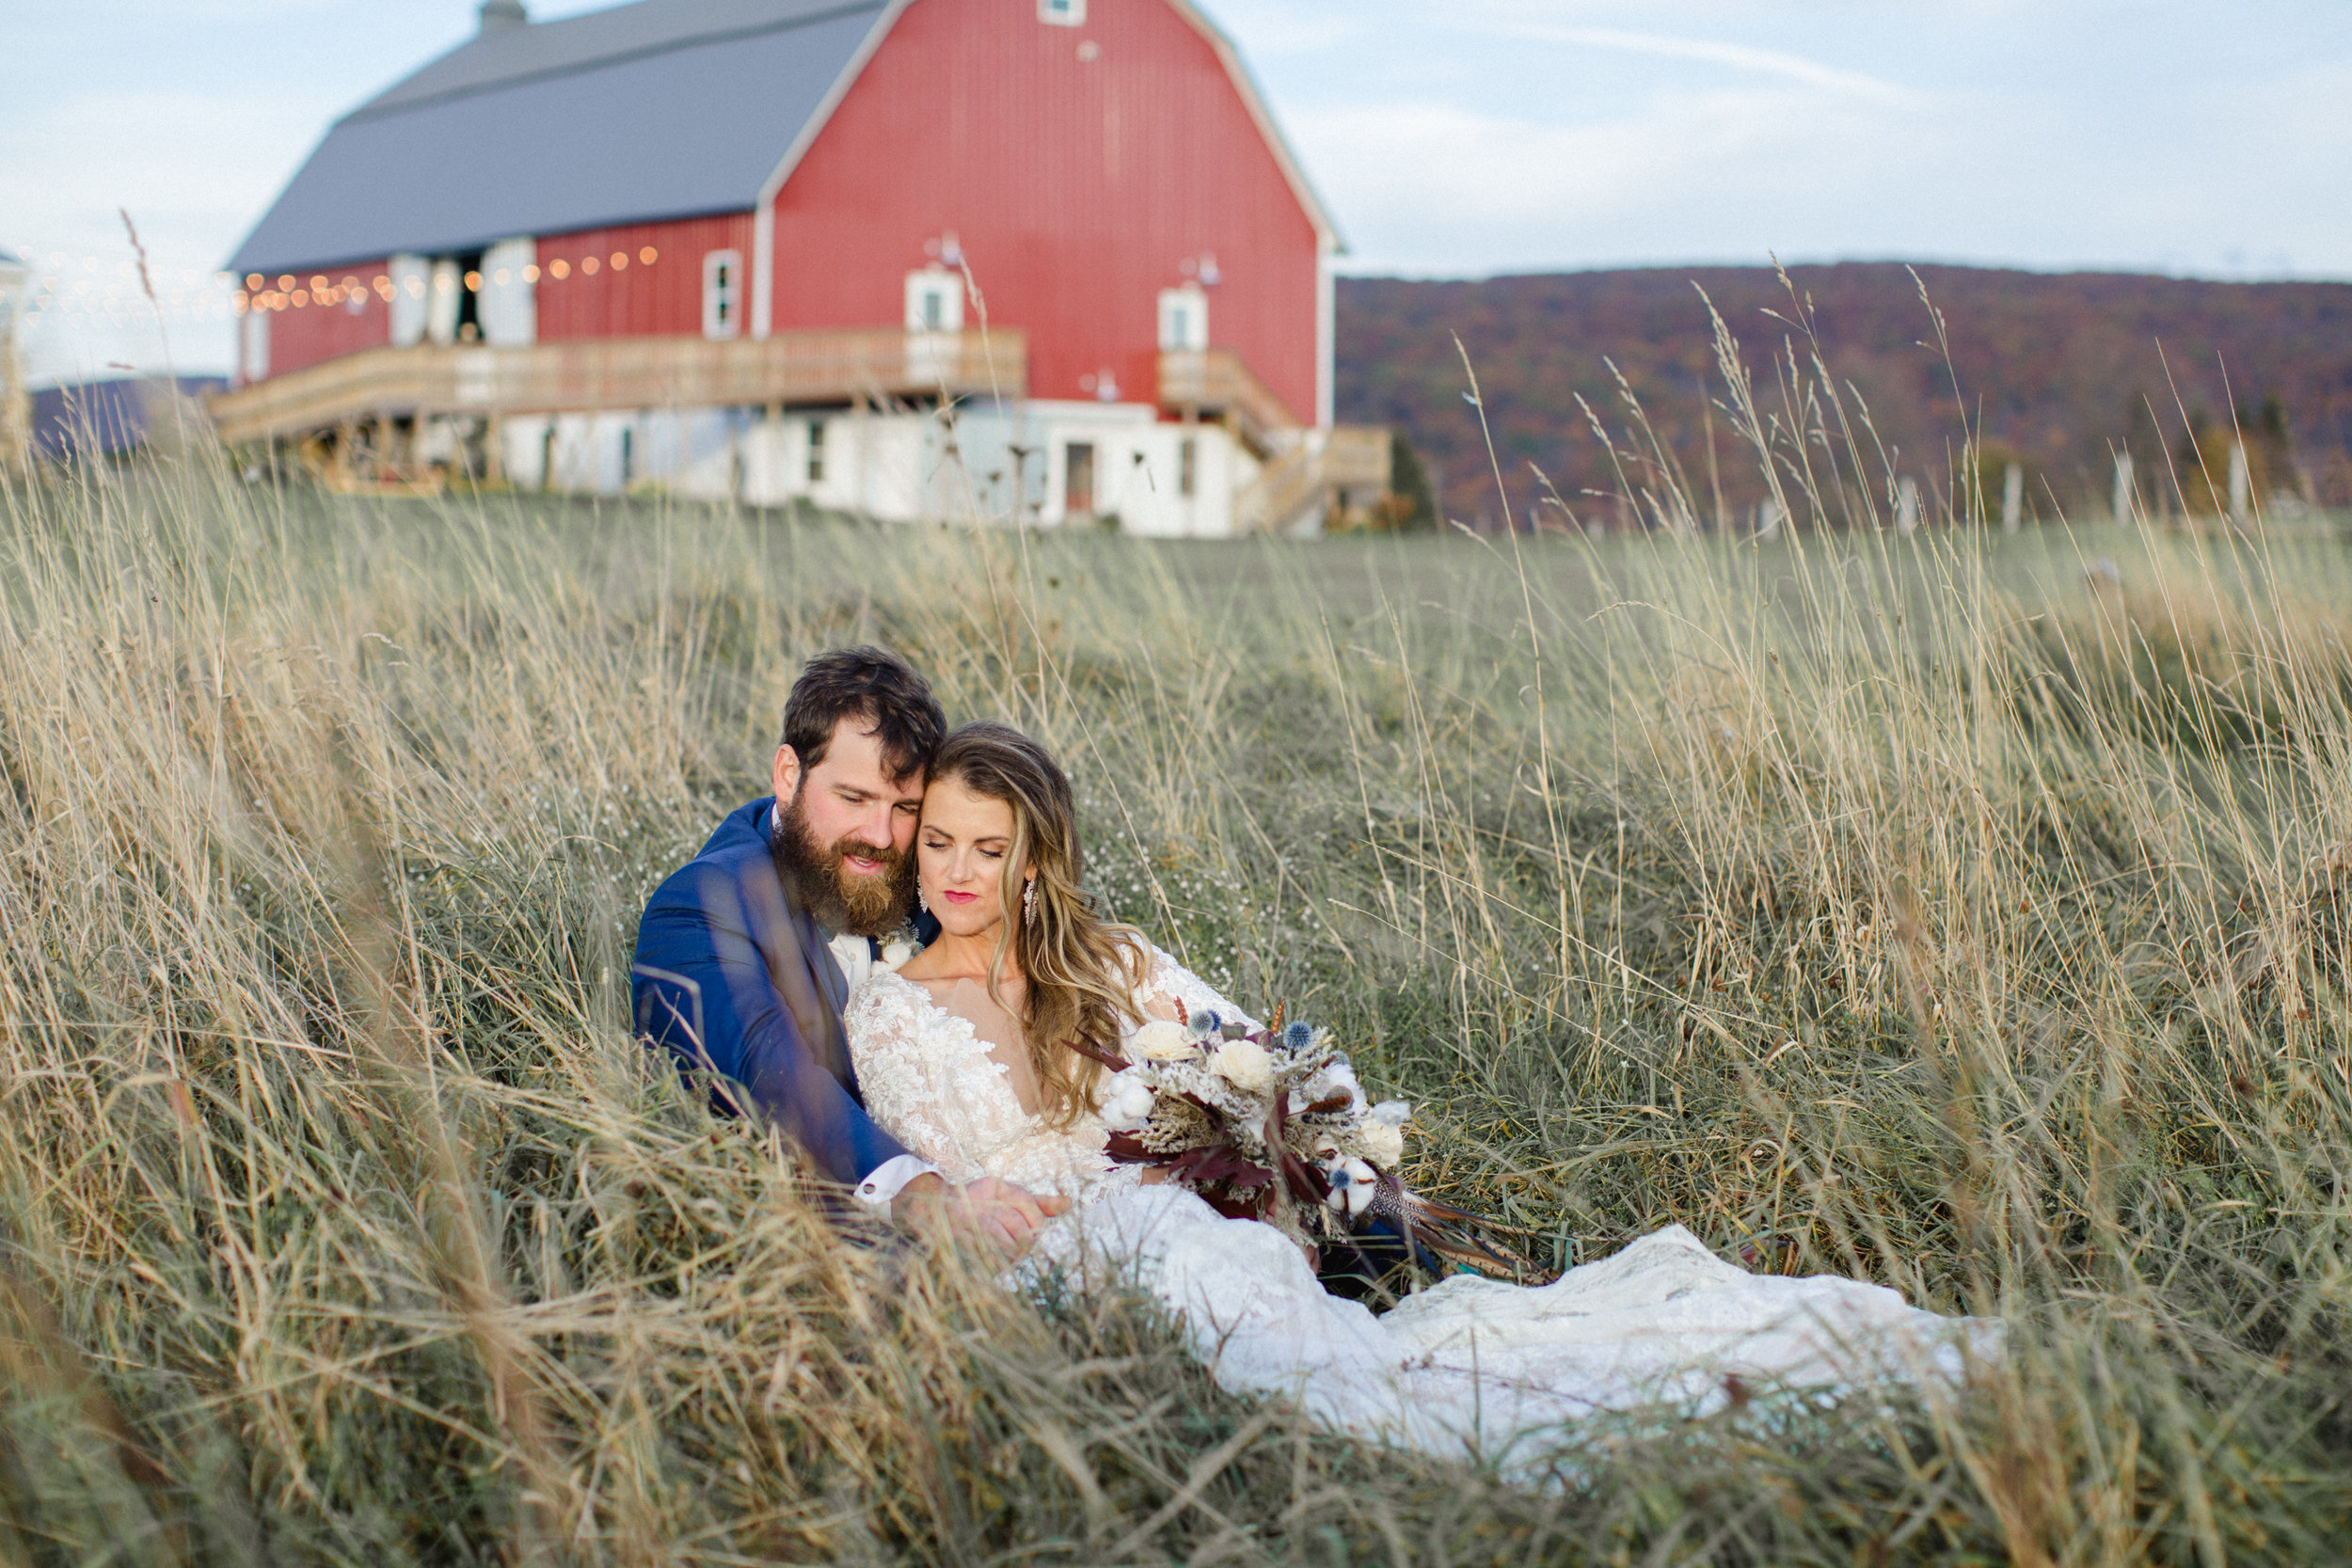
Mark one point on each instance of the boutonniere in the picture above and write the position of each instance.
(898, 946)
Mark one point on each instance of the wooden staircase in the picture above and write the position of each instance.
(1215, 385)
(1316, 470)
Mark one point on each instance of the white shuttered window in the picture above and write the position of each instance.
(1184, 320)
(934, 300)
(723, 293)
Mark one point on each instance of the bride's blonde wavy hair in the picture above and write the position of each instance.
(1082, 972)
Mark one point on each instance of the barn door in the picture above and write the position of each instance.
(507, 303)
(1077, 487)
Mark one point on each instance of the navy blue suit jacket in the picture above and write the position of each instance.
(722, 956)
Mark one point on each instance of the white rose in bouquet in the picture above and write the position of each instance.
(1161, 1041)
(1244, 1064)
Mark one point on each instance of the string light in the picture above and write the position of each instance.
(102, 288)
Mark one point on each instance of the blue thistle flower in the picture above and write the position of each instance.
(1298, 1035)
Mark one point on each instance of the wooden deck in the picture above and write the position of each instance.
(590, 374)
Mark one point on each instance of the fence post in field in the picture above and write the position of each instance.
(1768, 519)
(1906, 505)
(2239, 485)
(2013, 497)
(2125, 497)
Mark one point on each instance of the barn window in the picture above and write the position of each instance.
(1187, 465)
(815, 452)
(934, 300)
(1062, 13)
(1184, 320)
(723, 293)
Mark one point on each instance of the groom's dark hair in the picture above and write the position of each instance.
(871, 684)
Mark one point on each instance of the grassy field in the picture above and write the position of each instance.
(1966, 913)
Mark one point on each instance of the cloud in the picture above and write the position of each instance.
(1431, 186)
(1738, 56)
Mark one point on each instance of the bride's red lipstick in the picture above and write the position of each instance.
(955, 897)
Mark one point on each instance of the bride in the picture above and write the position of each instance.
(962, 1053)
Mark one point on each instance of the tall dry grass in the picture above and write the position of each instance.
(1958, 913)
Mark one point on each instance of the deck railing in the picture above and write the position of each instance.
(1216, 384)
(589, 374)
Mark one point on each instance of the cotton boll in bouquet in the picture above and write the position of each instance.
(1271, 1125)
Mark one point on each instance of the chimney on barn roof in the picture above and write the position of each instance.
(496, 14)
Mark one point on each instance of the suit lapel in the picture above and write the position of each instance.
(803, 972)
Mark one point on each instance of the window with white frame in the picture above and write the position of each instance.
(1184, 320)
(723, 293)
(934, 301)
(1062, 13)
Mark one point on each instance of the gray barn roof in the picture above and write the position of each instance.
(660, 109)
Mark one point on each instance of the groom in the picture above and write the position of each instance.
(746, 956)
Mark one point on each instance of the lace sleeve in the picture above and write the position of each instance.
(1168, 982)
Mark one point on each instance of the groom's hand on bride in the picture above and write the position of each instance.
(1004, 1216)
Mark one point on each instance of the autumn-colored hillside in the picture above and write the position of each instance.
(2059, 369)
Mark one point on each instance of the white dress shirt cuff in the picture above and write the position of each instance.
(882, 1186)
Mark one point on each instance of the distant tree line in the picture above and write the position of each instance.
(2055, 373)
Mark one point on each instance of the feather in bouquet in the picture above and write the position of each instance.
(1270, 1124)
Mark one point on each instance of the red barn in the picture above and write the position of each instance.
(1029, 260)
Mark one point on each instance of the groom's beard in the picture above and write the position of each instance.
(872, 905)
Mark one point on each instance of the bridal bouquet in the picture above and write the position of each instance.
(1268, 1124)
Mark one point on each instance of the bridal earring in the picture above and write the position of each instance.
(920, 907)
(1029, 902)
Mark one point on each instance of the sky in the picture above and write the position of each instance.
(1449, 137)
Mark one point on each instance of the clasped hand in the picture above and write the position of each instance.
(1004, 1216)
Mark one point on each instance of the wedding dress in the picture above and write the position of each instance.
(1469, 1368)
